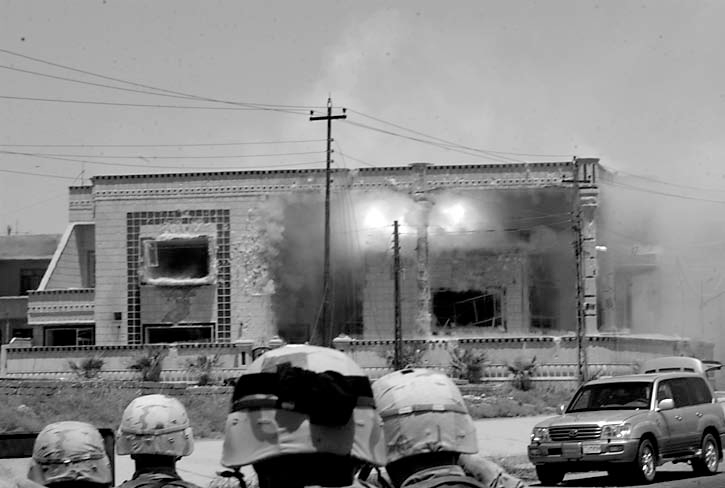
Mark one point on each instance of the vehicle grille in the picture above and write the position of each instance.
(575, 433)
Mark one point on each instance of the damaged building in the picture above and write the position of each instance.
(485, 250)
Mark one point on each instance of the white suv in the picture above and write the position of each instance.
(630, 425)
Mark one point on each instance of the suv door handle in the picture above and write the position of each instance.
(678, 417)
(699, 414)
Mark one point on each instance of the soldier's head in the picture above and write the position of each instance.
(303, 415)
(155, 430)
(70, 454)
(425, 421)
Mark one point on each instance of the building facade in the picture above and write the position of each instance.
(218, 257)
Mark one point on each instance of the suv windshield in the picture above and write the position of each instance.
(619, 396)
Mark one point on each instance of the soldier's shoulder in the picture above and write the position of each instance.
(150, 482)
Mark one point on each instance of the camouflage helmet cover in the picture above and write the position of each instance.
(155, 424)
(262, 424)
(69, 451)
(423, 411)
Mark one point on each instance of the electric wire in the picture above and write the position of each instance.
(662, 193)
(241, 143)
(121, 104)
(485, 151)
(147, 166)
(657, 180)
(141, 156)
(293, 109)
(447, 147)
(45, 175)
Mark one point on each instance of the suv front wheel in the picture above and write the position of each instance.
(644, 466)
(708, 463)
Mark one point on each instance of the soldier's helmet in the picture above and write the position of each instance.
(423, 412)
(69, 451)
(155, 424)
(300, 399)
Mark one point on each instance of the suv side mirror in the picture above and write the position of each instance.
(666, 404)
(561, 409)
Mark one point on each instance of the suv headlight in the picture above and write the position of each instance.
(616, 431)
(540, 434)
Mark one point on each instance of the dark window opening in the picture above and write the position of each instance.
(70, 336)
(23, 333)
(30, 280)
(469, 308)
(156, 334)
(543, 294)
(177, 259)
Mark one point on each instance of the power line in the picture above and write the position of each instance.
(146, 166)
(123, 105)
(141, 156)
(433, 143)
(666, 194)
(294, 109)
(454, 144)
(344, 156)
(242, 143)
(662, 182)
(46, 175)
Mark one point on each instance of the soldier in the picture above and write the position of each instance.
(155, 431)
(429, 434)
(70, 454)
(303, 415)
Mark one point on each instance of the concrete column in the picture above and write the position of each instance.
(588, 201)
(424, 313)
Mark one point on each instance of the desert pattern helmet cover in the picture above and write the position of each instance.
(423, 411)
(302, 399)
(155, 424)
(69, 451)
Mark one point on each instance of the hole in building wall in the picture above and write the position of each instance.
(177, 258)
(479, 308)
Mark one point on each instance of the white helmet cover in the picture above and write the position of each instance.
(423, 411)
(302, 399)
(155, 424)
(69, 451)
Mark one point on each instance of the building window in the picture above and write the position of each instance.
(156, 334)
(544, 294)
(24, 333)
(90, 275)
(30, 279)
(70, 336)
(469, 308)
(179, 261)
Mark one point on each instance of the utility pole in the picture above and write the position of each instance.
(582, 365)
(398, 358)
(322, 332)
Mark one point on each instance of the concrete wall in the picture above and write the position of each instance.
(53, 362)
(73, 267)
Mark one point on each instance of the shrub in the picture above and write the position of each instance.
(412, 357)
(203, 368)
(523, 371)
(88, 368)
(149, 364)
(465, 362)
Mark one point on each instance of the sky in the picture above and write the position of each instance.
(638, 84)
